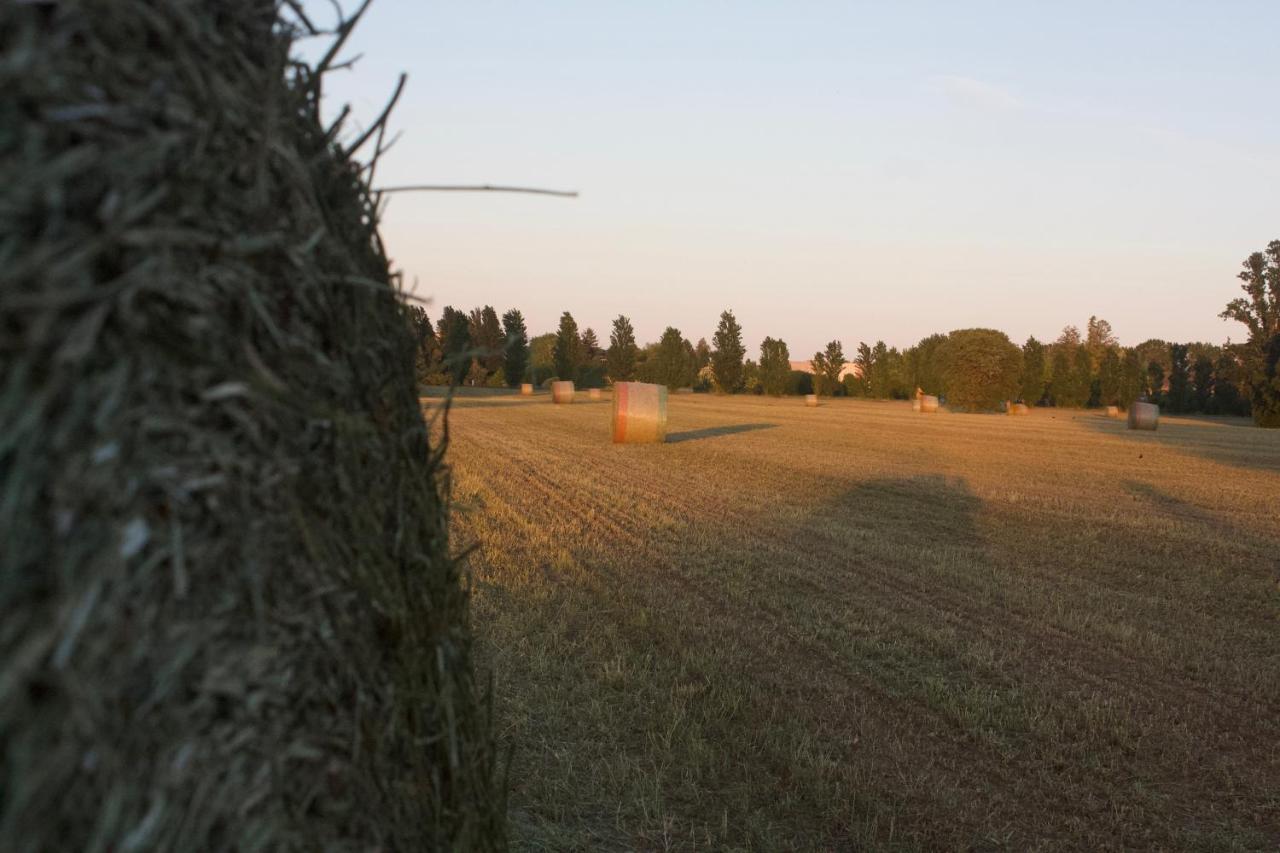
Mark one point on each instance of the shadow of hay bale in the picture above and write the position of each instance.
(230, 618)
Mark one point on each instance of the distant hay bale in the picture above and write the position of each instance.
(1113, 412)
(1019, 409)
(915, 405)
(526, 389)
(684, 390)
(639, 413)
(1144, 416)
(561, 392)
(593, 394)
(928, 404)
(811, 400)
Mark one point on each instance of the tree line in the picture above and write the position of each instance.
(973, 369)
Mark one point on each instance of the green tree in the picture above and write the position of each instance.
(858, 383)
(516, 358)
(1060, 384)
(1179, 397)
(1131, 379)
(1227, 399)
(455, 343)
(1081, 376)
(1098, 339)
(590, 344)
(1031, 387)
(775, 367)
(486, 339)
(701, 354)
(925, 367)
(1202, 385)
(1259, 311)
(827, 365)
(427, 356)
(726, 359)
(542, 363)
(879, 381)
(621, 357)
(751, 378)
(1110, 377)
(671, 363)
(567, 353)
(983, 369)
(1155, 381)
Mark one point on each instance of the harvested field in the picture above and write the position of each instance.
(852, 628)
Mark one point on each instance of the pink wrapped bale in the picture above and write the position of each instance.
(562, 392)
(639, 413)
(1144, 416)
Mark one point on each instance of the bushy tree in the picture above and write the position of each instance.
(567, 352)
(1179, 397)
(427, 354)
(542, 362)
(1155, 381)
(858, 383)
(1081, 376)
(1098, 340)
(1202, 385)
(671, 362)
(455, 343)
(983, 369)
(827, 365)
(1031, 387)
(1259, 311)
(621, 358)
(751, 378)
(775, 367)
(486, 339)
(1061, 387)
(1132, 379)
(591, 372)
(726, 359)
(701, 354)
(925, 367)
(516, 359)
(1110, 377)
(1227, 399)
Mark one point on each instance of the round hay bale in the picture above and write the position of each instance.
(928, 404)
(1019, 409)
(915, 405)
(639, 413)
(562, 392)
(526, 389)
(1144, 416)
(593, 394)
(811, 400)
(1113, 411)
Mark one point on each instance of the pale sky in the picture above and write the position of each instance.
(858, 171)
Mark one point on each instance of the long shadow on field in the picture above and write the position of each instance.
(1245, 446)
(714, 432)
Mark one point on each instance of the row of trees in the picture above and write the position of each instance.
(973, 368)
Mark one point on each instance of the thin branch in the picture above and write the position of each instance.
(475, 188)
(382, 118)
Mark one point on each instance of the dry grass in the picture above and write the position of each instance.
(852, 627)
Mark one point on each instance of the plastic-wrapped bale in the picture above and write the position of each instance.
(526, 389)
(1019, 409)
(811, 400)
(1144, 416)
(1113, 411)
(562, 392)
(639, 413)
(928, 404)
(593, 394)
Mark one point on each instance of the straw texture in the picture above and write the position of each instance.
(228, 615)
(562, 392)
(1144, 416)
(639, 413)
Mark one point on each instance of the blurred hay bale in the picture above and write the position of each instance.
(526, 389)
(593, 394)
(230, 618)
(1114, 412)
(915, 405)
(639, 413)
(1144, 416)
(561, 392)
(1019, 409)
(811, 400)
(928, 404)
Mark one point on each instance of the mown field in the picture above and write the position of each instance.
(853, 627)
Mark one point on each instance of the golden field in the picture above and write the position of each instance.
(855, 627)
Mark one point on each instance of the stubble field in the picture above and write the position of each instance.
(854, 627)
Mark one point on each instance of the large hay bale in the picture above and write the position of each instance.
(230, 618)
(1113, 412)
(593, 394)
(561, 392)
(811, 400)
(1019, 409)
(1144, 416)
(639, 413)
(526, 389)
(928, 404)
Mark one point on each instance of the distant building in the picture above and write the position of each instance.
(849, 369)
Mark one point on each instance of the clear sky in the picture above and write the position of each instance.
(858, 171)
